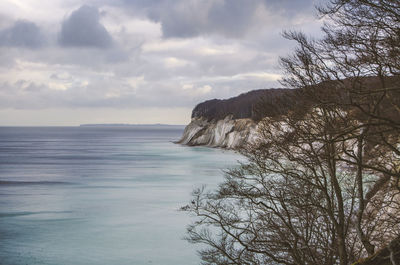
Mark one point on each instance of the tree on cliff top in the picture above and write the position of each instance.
(321, 188)
(294, 202)
(359, 56)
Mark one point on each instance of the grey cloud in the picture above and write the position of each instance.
(229, 18)
(232, 17)
(193, 18)
(290, 6)
(61, 76)
(101, 78)
(83, 29)
(4, 20)
(22, 34)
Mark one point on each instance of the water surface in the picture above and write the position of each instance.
(100, 195)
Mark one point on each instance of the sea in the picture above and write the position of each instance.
(101, 195)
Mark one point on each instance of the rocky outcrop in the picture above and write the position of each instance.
(218, 122)
(226, 133)
(231, 123)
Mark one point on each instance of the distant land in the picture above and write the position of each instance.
(131, 125)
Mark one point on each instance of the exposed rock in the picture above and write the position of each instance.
(217, 122)
(227, 133)
(231, 123)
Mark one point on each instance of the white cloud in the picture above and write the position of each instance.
(135, 82)
(224, 50)
(161, 45)
(259, 75)
(172, 62)
(154, 62)
(205, 89)
(187, 86)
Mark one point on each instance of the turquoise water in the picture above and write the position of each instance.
(91, 195)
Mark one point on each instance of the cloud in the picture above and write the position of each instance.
(161, 54)
(232, 17)
(193, 18)
(22, 34)
(83, 29)
(228, 18)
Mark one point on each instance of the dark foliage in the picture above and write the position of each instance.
(384, 256)
(261, 103)
(245, 105)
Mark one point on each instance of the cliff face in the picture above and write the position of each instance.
(231, 123)
(220, 123)
(226, 133)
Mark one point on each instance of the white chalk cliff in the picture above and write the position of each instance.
(232, 123)
(225, 133)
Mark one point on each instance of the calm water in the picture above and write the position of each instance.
(91, 195)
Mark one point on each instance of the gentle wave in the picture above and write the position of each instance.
(15, 214)
(17, 183)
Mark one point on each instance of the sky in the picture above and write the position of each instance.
(69, 62)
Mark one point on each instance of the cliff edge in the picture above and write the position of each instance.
(231, 123)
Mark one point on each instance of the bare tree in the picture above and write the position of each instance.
(360, 56)
(321, 185)
(294, 202)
